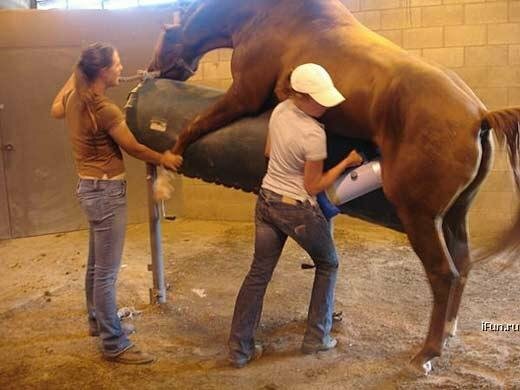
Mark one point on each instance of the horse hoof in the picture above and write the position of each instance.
(427, 367)
(420, 369)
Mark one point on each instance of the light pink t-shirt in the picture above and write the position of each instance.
(295, 138)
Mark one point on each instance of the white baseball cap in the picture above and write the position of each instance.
(314, 80)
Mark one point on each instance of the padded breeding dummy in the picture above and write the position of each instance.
(233, 156)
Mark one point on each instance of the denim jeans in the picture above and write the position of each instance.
(274, 222)
(104, 203)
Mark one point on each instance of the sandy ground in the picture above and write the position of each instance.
(382, 292)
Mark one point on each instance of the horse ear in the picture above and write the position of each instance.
(177, 18)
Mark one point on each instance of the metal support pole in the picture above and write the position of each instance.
(158, 292)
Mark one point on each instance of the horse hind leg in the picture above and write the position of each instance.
(456, 237)
(427, 239)
(455, 230)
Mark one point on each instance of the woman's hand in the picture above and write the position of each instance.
(171, 161)
(354, 159)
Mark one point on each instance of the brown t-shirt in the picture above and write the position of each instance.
(96, 154)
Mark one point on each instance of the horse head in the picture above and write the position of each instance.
(171, 56)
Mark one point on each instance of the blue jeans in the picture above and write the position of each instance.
(104, 203)
(274, 222)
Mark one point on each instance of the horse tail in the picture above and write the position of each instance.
(506, 124)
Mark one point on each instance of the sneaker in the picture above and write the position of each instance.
(132, 355)
(240, 363)
(314, 348)
(128, 329)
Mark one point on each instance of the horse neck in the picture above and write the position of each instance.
(213, 24)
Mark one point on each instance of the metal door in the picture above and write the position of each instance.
(38, 166)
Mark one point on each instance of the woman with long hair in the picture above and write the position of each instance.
(98, 131)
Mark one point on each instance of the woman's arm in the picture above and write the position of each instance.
(315, 180)
(57, 108)
(122, 135)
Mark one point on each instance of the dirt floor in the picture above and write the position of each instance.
(382, 292)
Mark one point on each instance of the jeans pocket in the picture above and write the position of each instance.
(117, 190)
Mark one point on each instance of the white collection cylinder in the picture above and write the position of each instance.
(355, 183)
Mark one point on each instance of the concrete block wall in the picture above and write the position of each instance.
(480, 40)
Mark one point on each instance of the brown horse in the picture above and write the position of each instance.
(431, 129)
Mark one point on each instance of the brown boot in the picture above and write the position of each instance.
(132, 355)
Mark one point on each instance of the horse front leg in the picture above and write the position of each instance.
(235, 104)
(427, 239)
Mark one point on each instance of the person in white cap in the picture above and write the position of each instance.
(287, 207)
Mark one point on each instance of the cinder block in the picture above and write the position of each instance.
(504, 76)
(486, 55)
(514, 11)
(474, 76)
(488, 224)
(379, 4)
(495, 12)
(444, 15)
(421, 3)
(514, 55)
(211, 56)
(500, 201)
(196, 209)
(216, 70)
(401, 18)
(501, 161)
(187, 181)
(514, 97)
(352, 5)
(423, 37)
(371, 19)
(225, 54)
(465, 35)
(493, 98)
(415, 52)
(208, 83)
(498, 181)
(225, 84)
(450, 57)
(461, 1)
(212, 193)
(504, 33)
(396, 36)
(208, 201)
(198, 75)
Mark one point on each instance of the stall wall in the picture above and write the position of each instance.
(38, 50)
